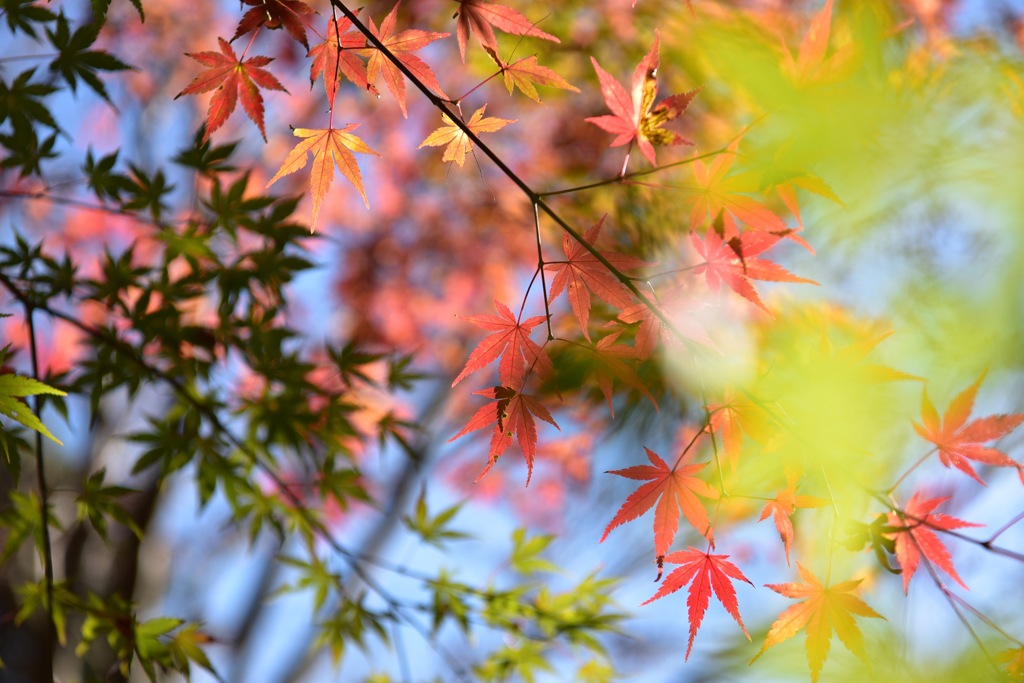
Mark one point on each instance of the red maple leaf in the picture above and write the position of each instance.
(673, 490)
(958, 442)
(708, 572)
(632, 117)
(582, 274)
(823, 609)
(233, 80)
(512, 415)
(337, 54)
(916, 537)
(735, 263)
(511, 340)
(401, 45)
(785, 504)
(275, 14)
(481, 18)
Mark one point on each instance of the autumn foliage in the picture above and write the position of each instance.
(716, 249)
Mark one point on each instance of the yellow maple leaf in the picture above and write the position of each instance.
(458, 142)
(825, 608)
(330, 147)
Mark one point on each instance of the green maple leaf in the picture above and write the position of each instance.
(12, 389)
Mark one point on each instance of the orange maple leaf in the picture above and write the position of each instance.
(810, 65)
(330, 147)
(458, 143)
(234, 80)
(785, 504)
(733, 418)
(481, 18)
(632, 117)
(958, 442)
(512, 415)
(915, 537)
(1014, 660)
(822, 610)
(719, 196)
(708, 572)
(673, 490)
(524, 73)
(401, 45)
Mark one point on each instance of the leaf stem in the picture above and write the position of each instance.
(920, 461)
(951, 599)
(635, 174)
(540, 267)
(1003, 529)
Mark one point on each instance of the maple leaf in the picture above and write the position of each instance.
(458, 142)
(233, 80)
(673, 490)
(330, 148)
(708, 572)
(401, 45)
(735, 263)
(810, 64)
(822, 610)
(916, 537)
(609, 365)
(785, 504)
(958, 442)
(1014, 660)
(582, 274)
(524, 73)
(734, 417)
(785, 184)
(511, 340)
(336, 53)
(13, 390)
(512, 415)
(676, 307)
(632, 117)
(275, 14)
(481, 18)
(722, 198)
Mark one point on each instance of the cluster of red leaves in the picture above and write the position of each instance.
(743, 227)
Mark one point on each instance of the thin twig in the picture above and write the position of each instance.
(535, 198)
(44, 505)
